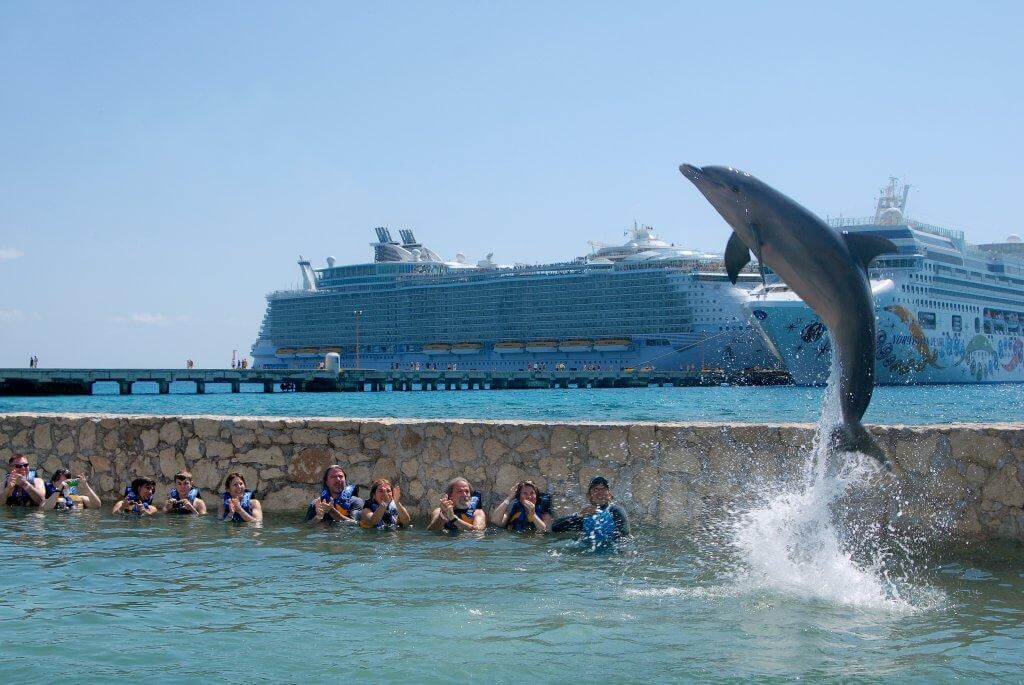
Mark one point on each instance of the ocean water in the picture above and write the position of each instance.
(89, 596)
(890, 404)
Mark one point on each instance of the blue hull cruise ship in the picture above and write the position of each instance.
(646, 304)
(946, 311)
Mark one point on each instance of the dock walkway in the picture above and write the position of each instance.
(80, 381)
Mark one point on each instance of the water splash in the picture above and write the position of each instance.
(804, 537)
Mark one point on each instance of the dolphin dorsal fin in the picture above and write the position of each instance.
(737, 256)
(865, 247)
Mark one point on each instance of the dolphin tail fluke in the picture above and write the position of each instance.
(855, 438)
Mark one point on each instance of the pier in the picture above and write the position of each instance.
(36, 382)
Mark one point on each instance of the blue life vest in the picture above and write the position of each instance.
(517, 519)
(136, 503)
(599, 528)
(68, 502)
(389, 520)
(343, 500)
(245, 502)
(19, 496)
(173, 496)
(467, 515)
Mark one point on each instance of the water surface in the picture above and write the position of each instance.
(88, 595)
(891, 404)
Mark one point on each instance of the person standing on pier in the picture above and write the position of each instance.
(21, 487)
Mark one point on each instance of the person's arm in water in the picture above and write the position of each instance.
(570, 523)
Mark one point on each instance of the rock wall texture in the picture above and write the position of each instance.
(968, 477)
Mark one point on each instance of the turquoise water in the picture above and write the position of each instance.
(891, 404)
(87, 596)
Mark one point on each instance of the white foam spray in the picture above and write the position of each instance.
(797, 539)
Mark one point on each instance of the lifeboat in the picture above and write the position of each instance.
(576, 345)
(467, 348)
(437, 348)
(307, 351)
(328, 350)
(509, 347)
(285, 352)
(541, 346)
(612, 345)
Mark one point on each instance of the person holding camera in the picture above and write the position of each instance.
(21, 487)
(65, 492)
(138, 498)
(183, 497)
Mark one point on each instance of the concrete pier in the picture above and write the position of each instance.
(80, 381)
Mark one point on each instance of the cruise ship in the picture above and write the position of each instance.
(946, 311)
(645, 305)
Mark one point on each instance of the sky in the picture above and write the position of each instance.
(163, 165)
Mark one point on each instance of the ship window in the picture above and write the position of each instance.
(958, 323)
(977, 324)
(927, 319)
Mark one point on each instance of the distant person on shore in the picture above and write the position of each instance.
(459, 510)
(238, 503)
(184, 498)
(337, 502)
(63, 492)
(601, 522)
(138, 498)
(384, 509)
(525, 509)
(21, 486)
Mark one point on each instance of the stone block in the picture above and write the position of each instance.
(269, 456)
(41, 438)
(343, 440)
(206, 428)
(1004, 487)
(192, 450)
(308, 436)
(288, 498)
(243, 438)
(564, 441)
(508, 476)
(308, 465)
(170, 432)
(410, 467)
(219, 449)
(170, 463)
(461, 450)
(494, 451)
(608, 444)
(87, 435)
(66, 446)
(150, 439)
(529, 444)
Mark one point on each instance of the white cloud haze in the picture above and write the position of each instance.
(10, 253)
(148, 319)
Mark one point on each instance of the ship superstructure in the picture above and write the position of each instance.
(947, 311)
(644, 304)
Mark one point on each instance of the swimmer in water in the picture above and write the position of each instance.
(459, 510)
(601, 522)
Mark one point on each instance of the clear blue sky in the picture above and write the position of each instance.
(163, 164)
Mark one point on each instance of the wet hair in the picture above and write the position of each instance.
(231, 477)
(327, 472)
(139, 483)
(373, 488)
(524, 483)
(183, 475)
(58, 473)
(455, 481)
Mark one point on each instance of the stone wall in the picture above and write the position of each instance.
(969, 477)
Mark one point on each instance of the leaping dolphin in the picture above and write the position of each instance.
(827, 269)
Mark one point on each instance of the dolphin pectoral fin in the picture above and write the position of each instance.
(855, 438)
(737, 256)
(865, 247)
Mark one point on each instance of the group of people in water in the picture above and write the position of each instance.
(460, 509)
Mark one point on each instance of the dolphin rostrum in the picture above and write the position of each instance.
(827, 269)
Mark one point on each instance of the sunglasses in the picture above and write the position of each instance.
(20, 466)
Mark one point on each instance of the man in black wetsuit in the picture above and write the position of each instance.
(601, 521)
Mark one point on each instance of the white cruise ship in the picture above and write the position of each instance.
(946, 311)
(645, 304)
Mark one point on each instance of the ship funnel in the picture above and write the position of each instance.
(308, 277)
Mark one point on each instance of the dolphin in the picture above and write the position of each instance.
(826, 268)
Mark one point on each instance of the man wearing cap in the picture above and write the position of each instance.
(600, 521)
